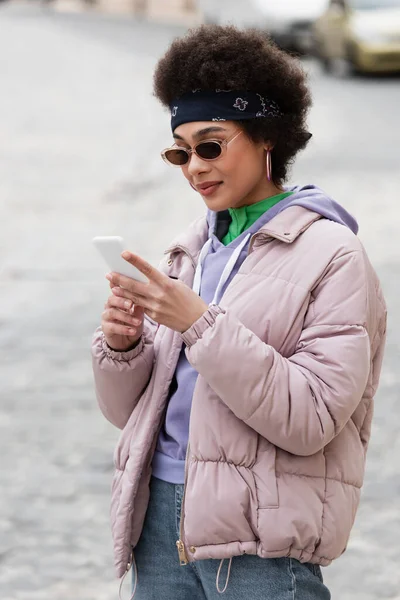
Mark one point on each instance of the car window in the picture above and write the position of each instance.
(338, 3)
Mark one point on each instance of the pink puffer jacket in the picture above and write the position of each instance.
(288, 365)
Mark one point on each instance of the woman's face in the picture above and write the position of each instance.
(238, 177)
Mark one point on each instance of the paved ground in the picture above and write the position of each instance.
(79, 141)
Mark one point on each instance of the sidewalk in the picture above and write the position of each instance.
(81, 134)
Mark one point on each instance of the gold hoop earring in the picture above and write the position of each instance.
(269, 165)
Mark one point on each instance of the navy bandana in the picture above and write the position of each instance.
(221, 105)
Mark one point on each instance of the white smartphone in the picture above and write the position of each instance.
(111, 247)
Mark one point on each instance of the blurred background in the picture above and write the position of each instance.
(80, 135)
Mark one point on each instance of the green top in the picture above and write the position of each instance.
(245, 216)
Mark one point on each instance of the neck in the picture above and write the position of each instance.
(266, 189)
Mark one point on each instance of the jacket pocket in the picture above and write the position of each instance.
(264, 473)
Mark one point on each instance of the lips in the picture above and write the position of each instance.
(202, 187)
(210, 189)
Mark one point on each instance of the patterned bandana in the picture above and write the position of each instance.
(221, 105)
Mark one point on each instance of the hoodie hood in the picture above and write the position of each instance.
(310, 197)
(315, 199)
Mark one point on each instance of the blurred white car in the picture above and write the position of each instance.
(243, 13)
(289, 22)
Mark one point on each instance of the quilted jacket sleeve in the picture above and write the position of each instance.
(302, 402)
(120, 377)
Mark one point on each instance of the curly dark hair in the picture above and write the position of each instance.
(213, 56)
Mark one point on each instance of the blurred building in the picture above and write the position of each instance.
(177, 11)
(183, 11)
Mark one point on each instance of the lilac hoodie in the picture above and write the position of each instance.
(169, 458)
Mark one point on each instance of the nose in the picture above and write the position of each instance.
(197, 165)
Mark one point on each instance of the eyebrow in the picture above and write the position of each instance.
(201, 132)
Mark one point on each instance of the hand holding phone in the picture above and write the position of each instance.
(122, 327)
(111, 248)
(121, 323)
(167, 301)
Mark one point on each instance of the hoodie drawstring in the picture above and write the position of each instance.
(132, 564)
(227, 576)
(226, 272)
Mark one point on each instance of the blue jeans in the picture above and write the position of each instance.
(160, 577)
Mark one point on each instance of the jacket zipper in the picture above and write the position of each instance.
(183, 559)
(182, 553)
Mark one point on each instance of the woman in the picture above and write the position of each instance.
(243, 373)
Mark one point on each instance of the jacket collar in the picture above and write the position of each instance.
(192, 240)
(286, 227)
(288, 224)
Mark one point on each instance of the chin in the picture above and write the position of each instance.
(217, 204)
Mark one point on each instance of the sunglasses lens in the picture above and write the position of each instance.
(177, 157)
(208, 150)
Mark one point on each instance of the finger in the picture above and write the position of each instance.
(119, 302)
(144, 267)
(125, 295)
(126, 305)
(138, 312)
(127, 284)
(118, 291)
(115, 328)
(114, 314)
(136, 299)
(121, 292)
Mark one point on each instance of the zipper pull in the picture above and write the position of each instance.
(182, 554)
